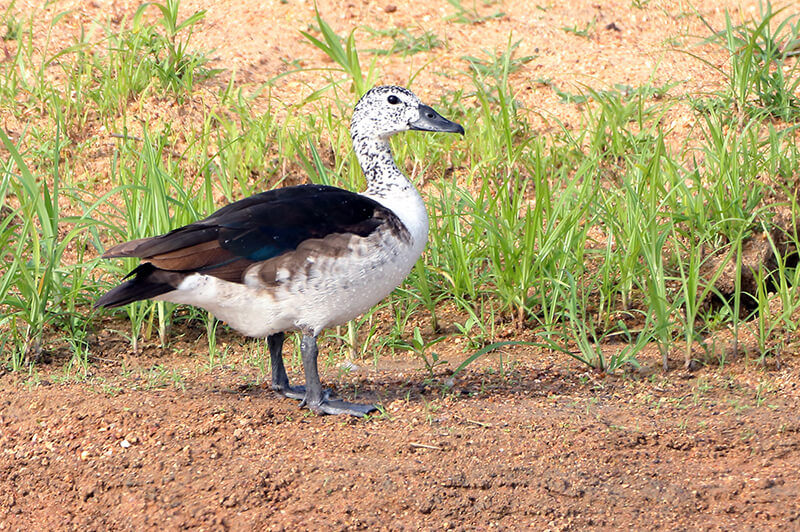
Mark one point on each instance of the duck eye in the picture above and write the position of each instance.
(392, 99)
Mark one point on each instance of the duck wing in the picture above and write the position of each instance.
(251, 230)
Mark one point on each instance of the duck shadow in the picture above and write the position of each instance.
(384, 387)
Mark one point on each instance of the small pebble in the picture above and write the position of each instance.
(390, 8)
(125, 444)
(229, 501)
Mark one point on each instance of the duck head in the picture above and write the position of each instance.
(387, 109)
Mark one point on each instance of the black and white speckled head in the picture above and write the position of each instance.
(379, 114)
(386, 110)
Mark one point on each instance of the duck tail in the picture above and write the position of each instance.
(144, 282)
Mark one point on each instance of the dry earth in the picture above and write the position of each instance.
(521, 440)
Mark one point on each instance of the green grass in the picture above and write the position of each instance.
(40, 289)
(586, 31)
(404, 42)
(470, 14)
(762, 74)
(595, 242)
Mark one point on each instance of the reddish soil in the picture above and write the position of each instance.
(522, 440)
(540, 446)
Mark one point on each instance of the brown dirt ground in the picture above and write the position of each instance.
(521, 440)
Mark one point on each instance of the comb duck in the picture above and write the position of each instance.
(299, 258)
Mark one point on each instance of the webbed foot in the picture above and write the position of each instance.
(292, 392)
(335, 407)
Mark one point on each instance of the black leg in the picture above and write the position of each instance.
(315, 399)
(280, 381)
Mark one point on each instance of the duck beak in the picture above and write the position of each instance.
(430, 120)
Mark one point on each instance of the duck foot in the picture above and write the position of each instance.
(290, 392)
(297, 392)
(335, 407)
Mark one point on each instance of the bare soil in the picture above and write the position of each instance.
(538, 446)
(523, 439)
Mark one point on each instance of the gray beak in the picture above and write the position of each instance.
(430, 120)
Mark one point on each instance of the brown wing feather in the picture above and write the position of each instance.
(183, 237)
(192, 257)
(206, 257)
(126, 249)
(232, 271)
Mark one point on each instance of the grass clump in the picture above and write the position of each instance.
(41, 290)
(763, 75)
(406, 43)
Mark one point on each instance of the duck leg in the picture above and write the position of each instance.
(280, 381)
(317, 400)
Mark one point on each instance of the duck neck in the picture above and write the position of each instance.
(388, 186)
(384, 178)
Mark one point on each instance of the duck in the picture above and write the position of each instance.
(299, 258)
